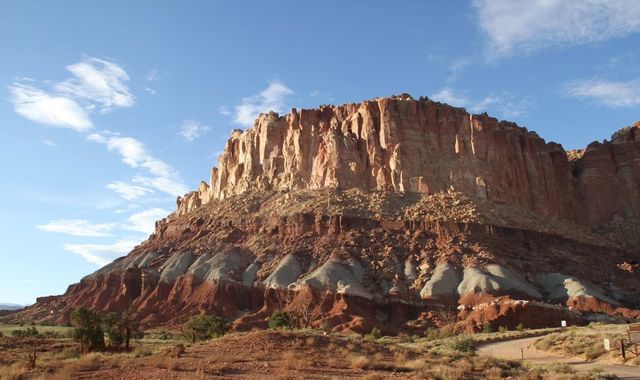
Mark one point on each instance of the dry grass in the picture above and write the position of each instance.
(16, 371)
(586, 341)
(358, 361)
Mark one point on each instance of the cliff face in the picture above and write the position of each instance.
(378, 214)
(404, 145)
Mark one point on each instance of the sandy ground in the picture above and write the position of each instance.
(515, 349)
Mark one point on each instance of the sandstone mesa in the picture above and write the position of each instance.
(383, 212)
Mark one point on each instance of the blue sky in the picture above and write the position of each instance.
(112, 109)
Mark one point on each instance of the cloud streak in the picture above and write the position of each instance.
(270, 99)
(192, 129)
(145, 221)
(504, 105)
(102, 254)
(609, 93)
(53, 110)
(523, 26)
(98, 82)
(77, 227)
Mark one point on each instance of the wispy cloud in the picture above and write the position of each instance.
(41, 107)
(448, 96)
(523, 26)
(168, 185)
(77, 227)
(192, 129)
(134, 154)
(503, 105)
(128, 191)
(98, 82)
(102, 254)
(152, 75)
(270, 99)
(49, 143)
(145, 221)
(609, 93)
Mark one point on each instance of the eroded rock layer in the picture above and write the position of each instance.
(382, 213)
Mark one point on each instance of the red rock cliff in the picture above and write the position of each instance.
(405, 145)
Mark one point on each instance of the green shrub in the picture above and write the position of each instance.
(432, 333)
(88, 329)
(29, 332)
(520, 327)
(281, 319)
(374, 334)
(463, 343)
(486, 329)
(503, 329)
(204, 327)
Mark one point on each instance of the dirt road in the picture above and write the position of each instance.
(515, 349)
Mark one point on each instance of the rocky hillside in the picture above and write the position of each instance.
(385, 213)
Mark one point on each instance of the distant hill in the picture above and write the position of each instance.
(10, 306)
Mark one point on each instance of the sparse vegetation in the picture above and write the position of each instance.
(374, 334)
(463, 343)
(281, 319)
(204, 327)
(585, 342)
(487, 329)
(88, 329)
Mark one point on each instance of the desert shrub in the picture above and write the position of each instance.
(29, 332)
(88, 329)
(594, 352)
(520, 327)
(14, 372)
(432, 333)
(359, 362)
(503, 329)
(374, 334)
(1, 334)
(204, 327)
(463, 343)
(486, 329)
(281, 319)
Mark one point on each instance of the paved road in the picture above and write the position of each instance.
(510, 349)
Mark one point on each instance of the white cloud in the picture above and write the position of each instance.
(192, 129)
(224, 111)
(514, 26)
(102, 254)
(447, 95)
(98, 81)
(152, 75)
(145, 221)
(135, 155)
(132, 152)
(609, 93)
(49, 143)
(77, 227)
(503, 105)
(270, 99)
(150, 90)
(41, 107)
(128, 191)
(166, 185)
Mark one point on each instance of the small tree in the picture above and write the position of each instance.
(88, 329)
(281, 319)
(120, 329)
(204, 327)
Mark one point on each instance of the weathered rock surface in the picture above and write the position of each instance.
(379, 213)
(406, 145)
